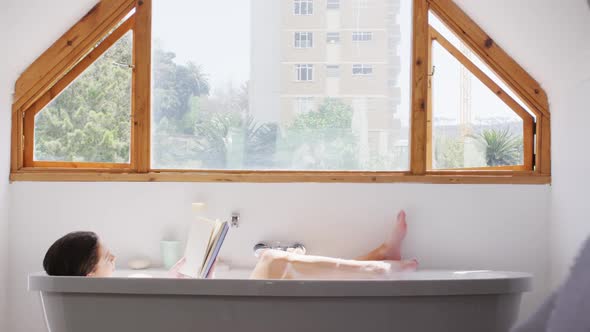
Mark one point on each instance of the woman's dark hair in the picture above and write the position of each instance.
(75, 254)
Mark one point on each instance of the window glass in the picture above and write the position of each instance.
(304, 72)
(303, 39)
(437, 24)
(303, 7)
(333, 4)
(362, 69)
(232, 91)
(90, 121)
(303, 105)
(472, 127)
(362, 36)
(333, 37)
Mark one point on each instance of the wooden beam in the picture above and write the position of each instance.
(80, 67)
(141, 142)
(16, 146)
(498, 60)
(481, 76)
(62, 84)
(527, 119)
(68, 50)
(429, 110)
(544, 146)
(528, 141)
(453, 177)
(28, 140)
(79, 165)
(419, 135)
(485, 170)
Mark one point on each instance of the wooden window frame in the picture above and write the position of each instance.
(61, 85)
(77, 49)
(528, 120)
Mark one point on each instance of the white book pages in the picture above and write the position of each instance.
(198, 245)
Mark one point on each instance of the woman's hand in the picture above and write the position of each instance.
(174, 271)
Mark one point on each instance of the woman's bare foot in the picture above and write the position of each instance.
(391, 248)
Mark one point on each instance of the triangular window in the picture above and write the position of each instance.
(86, 117)
(476, 122)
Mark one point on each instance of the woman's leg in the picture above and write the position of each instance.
(386, 258)
(391, 248)
(274, 264)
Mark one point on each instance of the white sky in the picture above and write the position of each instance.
(214, 34)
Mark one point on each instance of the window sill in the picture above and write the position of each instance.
(439, 177)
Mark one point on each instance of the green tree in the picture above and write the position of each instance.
(321, 139)
(449, 152)
(90, 120)
(230, 140)
(501, 147)
(175, 85)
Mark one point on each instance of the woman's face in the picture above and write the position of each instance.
(106, 263)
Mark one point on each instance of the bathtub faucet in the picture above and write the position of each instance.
(259, 247)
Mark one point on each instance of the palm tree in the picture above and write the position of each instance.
(260, 143)
(217, 135)
(200, 78)
(502, 148)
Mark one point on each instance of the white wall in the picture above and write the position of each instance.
(551, 39)
(557, 53)
(4, 131)
(451, 226)
(570, 199)
(5, 88)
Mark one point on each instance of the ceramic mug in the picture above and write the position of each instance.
(170, 251)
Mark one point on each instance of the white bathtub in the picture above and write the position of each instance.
(438, 301)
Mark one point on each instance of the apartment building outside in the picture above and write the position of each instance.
(304, 51)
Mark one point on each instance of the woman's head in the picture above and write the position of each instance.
(79, 254)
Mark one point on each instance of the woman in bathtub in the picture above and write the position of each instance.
(83, 254)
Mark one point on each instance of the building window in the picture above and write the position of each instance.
(332, 70)
(361, 4)
(361, 36)
(302, 105)
(303, 7)
(303, 39)
(333, 37)
(362, 69)
(333, 4)
(304, 72)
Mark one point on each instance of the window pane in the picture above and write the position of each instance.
(235, 90)
(333, 37)
(333, 4)
(90, 120)
(472, 127)
(437, 24)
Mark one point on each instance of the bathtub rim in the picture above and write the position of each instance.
(508, 283)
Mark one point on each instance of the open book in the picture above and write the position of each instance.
(202, 247)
